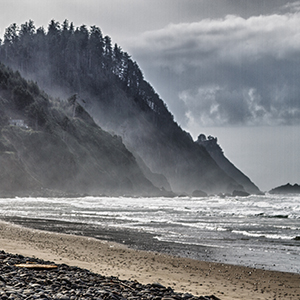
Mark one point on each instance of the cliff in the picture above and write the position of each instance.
(216, 152)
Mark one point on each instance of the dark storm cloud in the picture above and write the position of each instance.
(226, 71)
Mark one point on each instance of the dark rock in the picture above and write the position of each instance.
(240, 193)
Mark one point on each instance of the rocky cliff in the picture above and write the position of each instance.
(216, 152)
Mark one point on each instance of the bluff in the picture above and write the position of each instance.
(216, 152)
(110, 86)
(53, 147)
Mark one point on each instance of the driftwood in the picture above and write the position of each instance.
(36, 266)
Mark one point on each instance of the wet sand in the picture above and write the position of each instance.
(182, 274)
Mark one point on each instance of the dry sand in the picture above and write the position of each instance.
(182, 274)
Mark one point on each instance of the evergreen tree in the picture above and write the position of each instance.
(27, 45)
(107, 54)
(11, 40)
(83, 59)
(96, 51)
(53, 49)
(118, 66)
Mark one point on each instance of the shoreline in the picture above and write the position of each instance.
(181, 274)
(141, 240)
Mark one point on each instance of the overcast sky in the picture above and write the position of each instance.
(228, 68)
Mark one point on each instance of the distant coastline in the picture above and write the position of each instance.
(286, 189)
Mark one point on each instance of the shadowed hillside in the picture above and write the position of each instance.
(54, 147)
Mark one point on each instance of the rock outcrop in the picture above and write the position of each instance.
(216, 152)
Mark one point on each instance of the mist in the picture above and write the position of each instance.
(110, 86)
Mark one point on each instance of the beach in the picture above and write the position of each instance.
(181, 274)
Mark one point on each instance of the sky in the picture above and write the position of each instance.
(227, 68)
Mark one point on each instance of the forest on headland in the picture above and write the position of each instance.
(90, 123)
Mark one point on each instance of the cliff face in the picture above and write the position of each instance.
(217, 154)
(111, 88)
(54, 146)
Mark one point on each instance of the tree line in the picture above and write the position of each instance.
(80, 57)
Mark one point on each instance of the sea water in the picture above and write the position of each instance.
(255, 231)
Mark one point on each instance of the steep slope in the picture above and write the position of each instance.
(55, 145)
(111, 87)
(217, 154)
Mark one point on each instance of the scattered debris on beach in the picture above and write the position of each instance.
(31, 278)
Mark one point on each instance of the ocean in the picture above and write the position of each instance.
(255, 231)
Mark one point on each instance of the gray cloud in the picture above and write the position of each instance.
(227, 71)
(293, 6)
(121, 19)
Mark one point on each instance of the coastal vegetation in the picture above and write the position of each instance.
(52, 146)
(97, 88)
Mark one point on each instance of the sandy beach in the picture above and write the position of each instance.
(181, 274)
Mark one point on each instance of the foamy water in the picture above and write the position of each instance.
(257, 231)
